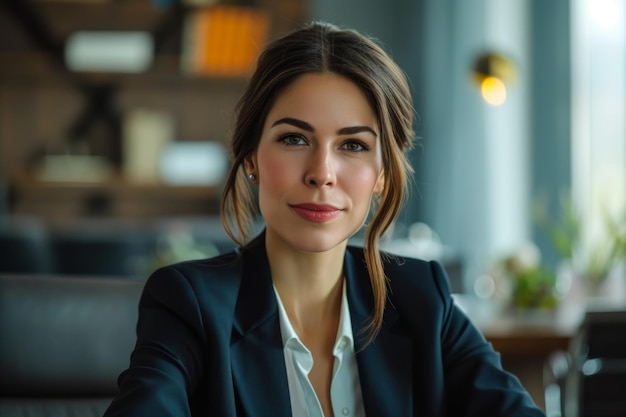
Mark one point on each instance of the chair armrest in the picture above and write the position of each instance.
(556, 367)
(555, 370)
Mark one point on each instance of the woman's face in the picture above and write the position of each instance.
(318, 163)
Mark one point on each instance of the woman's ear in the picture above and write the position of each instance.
(380, 182)
(249, 164)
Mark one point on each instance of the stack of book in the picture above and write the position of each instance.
(223, 41)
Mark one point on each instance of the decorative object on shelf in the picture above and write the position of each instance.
(109, 51)
(73, 168)
(145, 134)
(193, 163)
(223, 41)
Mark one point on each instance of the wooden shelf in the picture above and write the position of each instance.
(55, 202)
(67, 17)
(28, 68)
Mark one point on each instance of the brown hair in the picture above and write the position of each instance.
(322, 47)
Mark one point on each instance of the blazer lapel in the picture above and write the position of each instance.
(385, 365)
(258, 362)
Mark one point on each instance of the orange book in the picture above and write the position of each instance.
(224, 41)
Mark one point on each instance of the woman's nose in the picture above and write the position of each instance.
(321, 170)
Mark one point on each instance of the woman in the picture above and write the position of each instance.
(296, 322)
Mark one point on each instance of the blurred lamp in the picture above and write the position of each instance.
(492, 73)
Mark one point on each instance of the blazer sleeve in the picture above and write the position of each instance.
(475, 382)
(167, 362)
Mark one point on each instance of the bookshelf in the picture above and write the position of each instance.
(47, 109)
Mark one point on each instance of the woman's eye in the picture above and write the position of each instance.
(355, 146)
(292, 139)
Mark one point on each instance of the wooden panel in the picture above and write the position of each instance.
(67, 17)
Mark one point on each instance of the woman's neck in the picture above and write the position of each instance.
(310, 284)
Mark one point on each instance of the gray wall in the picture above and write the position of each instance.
(551, 136)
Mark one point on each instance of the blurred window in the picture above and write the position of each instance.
(598, 113)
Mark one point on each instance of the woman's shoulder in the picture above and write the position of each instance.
(417, 288)
(207, 266)
(202, 276)
(411, 276)
(416, 275)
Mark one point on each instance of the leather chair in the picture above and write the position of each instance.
(63, 343)
(24, 246)
(102, 247)
(589, 380)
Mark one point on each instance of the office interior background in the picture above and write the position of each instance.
(135, 143)
(480, 169)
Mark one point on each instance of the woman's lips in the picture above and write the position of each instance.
(317, 213)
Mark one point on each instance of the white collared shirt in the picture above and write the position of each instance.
(345, 388)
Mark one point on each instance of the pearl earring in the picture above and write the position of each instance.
(251, 177)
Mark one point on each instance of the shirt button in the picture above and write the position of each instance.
(345, 411)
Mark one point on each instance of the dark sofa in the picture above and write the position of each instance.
(63, 343)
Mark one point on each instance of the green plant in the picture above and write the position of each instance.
(531, 285)
(617, 230)
(563, 233)
(534, 288)
(591, 261)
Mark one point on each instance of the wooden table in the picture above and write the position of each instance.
(525, 339)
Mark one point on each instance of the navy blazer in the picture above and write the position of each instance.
(209, 344)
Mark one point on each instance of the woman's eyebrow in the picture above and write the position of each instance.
(356, 129)
(294, 122)
(301, 124)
